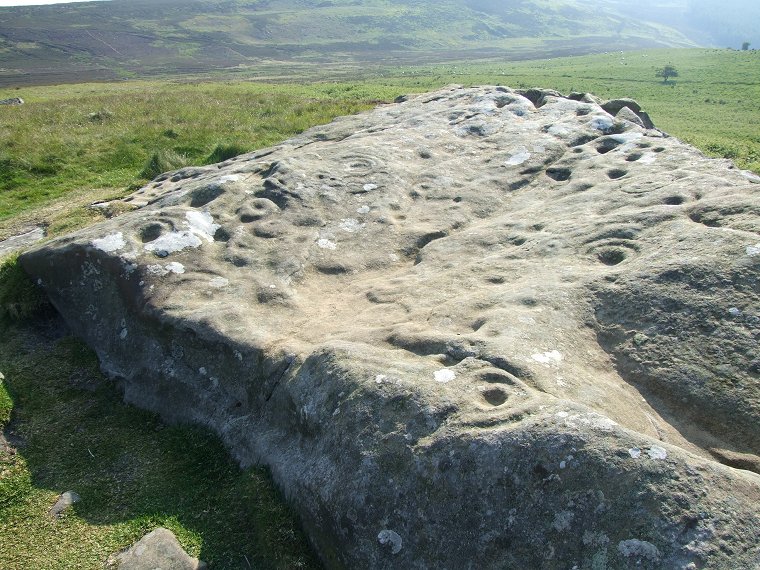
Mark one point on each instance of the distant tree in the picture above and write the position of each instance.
(745, 46)
(667, 72)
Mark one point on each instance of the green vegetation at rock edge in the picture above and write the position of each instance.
(68, 430)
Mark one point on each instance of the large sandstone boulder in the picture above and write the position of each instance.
(473, 329)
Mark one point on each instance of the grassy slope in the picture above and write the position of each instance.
(122, 38)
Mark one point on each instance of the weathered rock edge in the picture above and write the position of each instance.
(484, 368)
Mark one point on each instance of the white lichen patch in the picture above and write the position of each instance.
(172, 242)
(591, 538)
(566, 462)
(229, 178)
(587, 420)
(558, 130)
(563, 520)
(161, 270)
(111, 243)
(626, 138)
(648, 158)
(444, 375)
(383, 379)
(520, 156)
(753, 250)
(156, 269)
(363, 210)
(639, 549)
(390, 538)
(219, 282)
(369, 187)
(599, 421)
(548, 358)
(634, 452)
(201, 224)
(602, 123)
(657, 452)
(351, 225)
(325, 243)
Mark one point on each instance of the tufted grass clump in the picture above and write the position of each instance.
(162, 161)
(224, 152)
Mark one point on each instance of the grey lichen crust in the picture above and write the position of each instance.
(473, 329)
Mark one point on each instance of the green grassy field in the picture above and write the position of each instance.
(72, 145)
(141, 38)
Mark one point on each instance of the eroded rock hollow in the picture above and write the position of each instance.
(477, 328)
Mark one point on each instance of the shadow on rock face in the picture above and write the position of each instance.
(679, 336)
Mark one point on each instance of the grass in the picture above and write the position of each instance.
(19, 298)
(72, 432)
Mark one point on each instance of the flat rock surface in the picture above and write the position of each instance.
(65, 501)
(20, 241)
(473, 329)
(157, 550)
